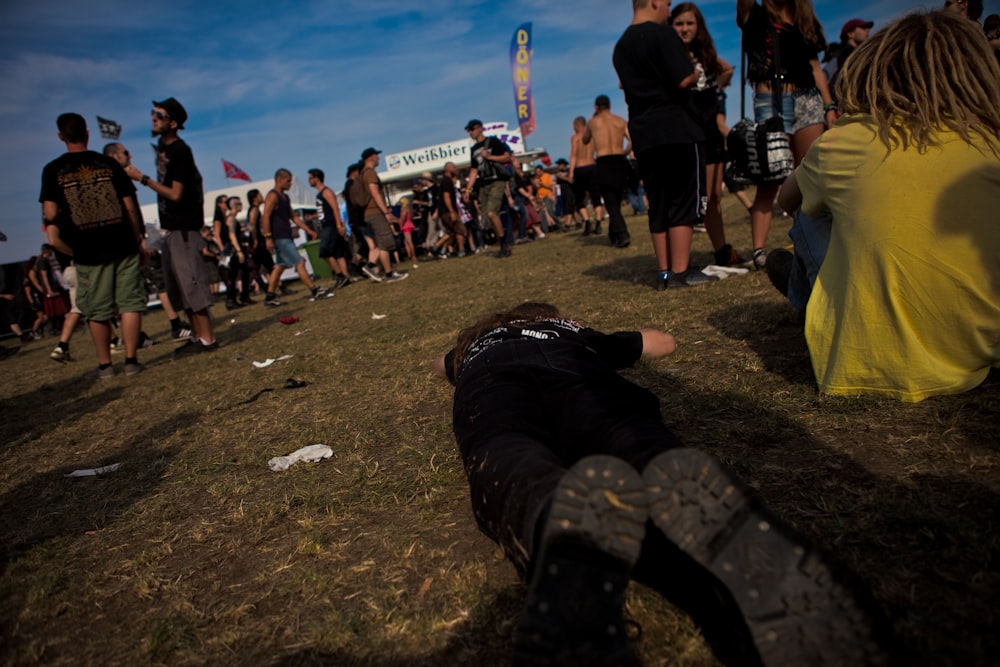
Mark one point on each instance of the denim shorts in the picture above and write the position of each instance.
(799, 108)
(286, 254)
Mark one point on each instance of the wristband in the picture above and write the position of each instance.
(267, 236)
(144, 180)
(830, 106)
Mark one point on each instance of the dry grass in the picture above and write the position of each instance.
(195, 553)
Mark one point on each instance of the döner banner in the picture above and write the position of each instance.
(433, 158)
(520, 72)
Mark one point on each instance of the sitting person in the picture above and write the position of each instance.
(566, 486)
(898, 217)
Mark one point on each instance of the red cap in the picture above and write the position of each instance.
(851, 25)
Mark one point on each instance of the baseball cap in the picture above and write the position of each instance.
(852, 24)
(174, 109)
(475, 122)
(368, 152)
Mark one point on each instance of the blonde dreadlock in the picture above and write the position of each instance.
(922, 74)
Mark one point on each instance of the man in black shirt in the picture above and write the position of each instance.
(180, 197)
(490, 157)
(656, 72)
(90, 213)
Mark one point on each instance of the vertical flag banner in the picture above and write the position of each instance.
(109, 128)
(520, 68)
(234, 172)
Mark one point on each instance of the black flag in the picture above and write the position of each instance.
(109, 128)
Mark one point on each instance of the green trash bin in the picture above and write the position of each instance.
(320, 267)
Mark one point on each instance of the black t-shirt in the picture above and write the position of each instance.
(651, 61)
(175, 162)
(88, 189)
(486, 170)
(281, 217)
(794, 52)
(557, 345)
(446, 187)
(420, 206)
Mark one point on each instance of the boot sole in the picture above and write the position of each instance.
(593, 535)
(800, 607)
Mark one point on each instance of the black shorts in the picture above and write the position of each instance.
(674, 178)
(584, 184)
(332, 244)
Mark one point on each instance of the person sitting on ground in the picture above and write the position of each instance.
(566, 487)
(902, 268)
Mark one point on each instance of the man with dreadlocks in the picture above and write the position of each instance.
(906, 302)
(566, 462)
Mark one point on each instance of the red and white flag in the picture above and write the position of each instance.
(234, 172)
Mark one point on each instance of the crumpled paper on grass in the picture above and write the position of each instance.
(95, 472)
(723, 271)
(308, 454)
(268, 362)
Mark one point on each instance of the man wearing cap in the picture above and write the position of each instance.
(487, 154)
(852, 34)
(180, 197)
(377, 216)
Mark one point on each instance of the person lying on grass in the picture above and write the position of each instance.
(573, 473)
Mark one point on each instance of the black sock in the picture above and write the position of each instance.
(175, 323)
(64, 346)
(131, 360)
(103, 366)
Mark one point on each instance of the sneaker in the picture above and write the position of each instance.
(372, 272)
(247, 301)
(320, 293)
(593, 534)
(662, 278)
(60, 355)
(117, 345)
(623, 241)
(182, 332)
(461, 253)
(145, 340)
(195, 346)
(342, 281)
(504, 251)
(779, 268)
(760, 259)
(690, 278)
(232, 304)
(134, 369)
(700, 227)
(272, 299)
(726, 256)
(100, 373)
(395, 277)
(747, 576)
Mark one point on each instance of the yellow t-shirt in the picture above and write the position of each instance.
(907, 302)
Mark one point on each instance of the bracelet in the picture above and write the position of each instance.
(144, 180)
(830, 106)
(267, 236)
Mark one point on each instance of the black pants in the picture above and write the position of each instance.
(612, 174)
(519, 430)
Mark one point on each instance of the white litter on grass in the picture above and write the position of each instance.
(94, 472)
(378, 317)
(308, 454)
(233, 321)
(723, 271)
(299, 333)
(268, 362)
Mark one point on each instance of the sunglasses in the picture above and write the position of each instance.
(159, 115)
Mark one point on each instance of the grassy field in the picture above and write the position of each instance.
(194, 552)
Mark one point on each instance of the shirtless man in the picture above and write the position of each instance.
(581, 175)
(609, 137)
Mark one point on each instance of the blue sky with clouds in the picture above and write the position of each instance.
(308, 83)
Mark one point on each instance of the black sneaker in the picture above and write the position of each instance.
(504, 251)
(372, 272)
(788, 603)
(395, 277)
(272, 300)
(181, 332)
(662, 278)
(690, 278)
(193, 347)
(760, 259)
(319, 293)
(573, 614)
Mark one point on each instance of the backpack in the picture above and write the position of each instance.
(359, 194)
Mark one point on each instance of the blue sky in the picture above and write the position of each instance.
(308, 83)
